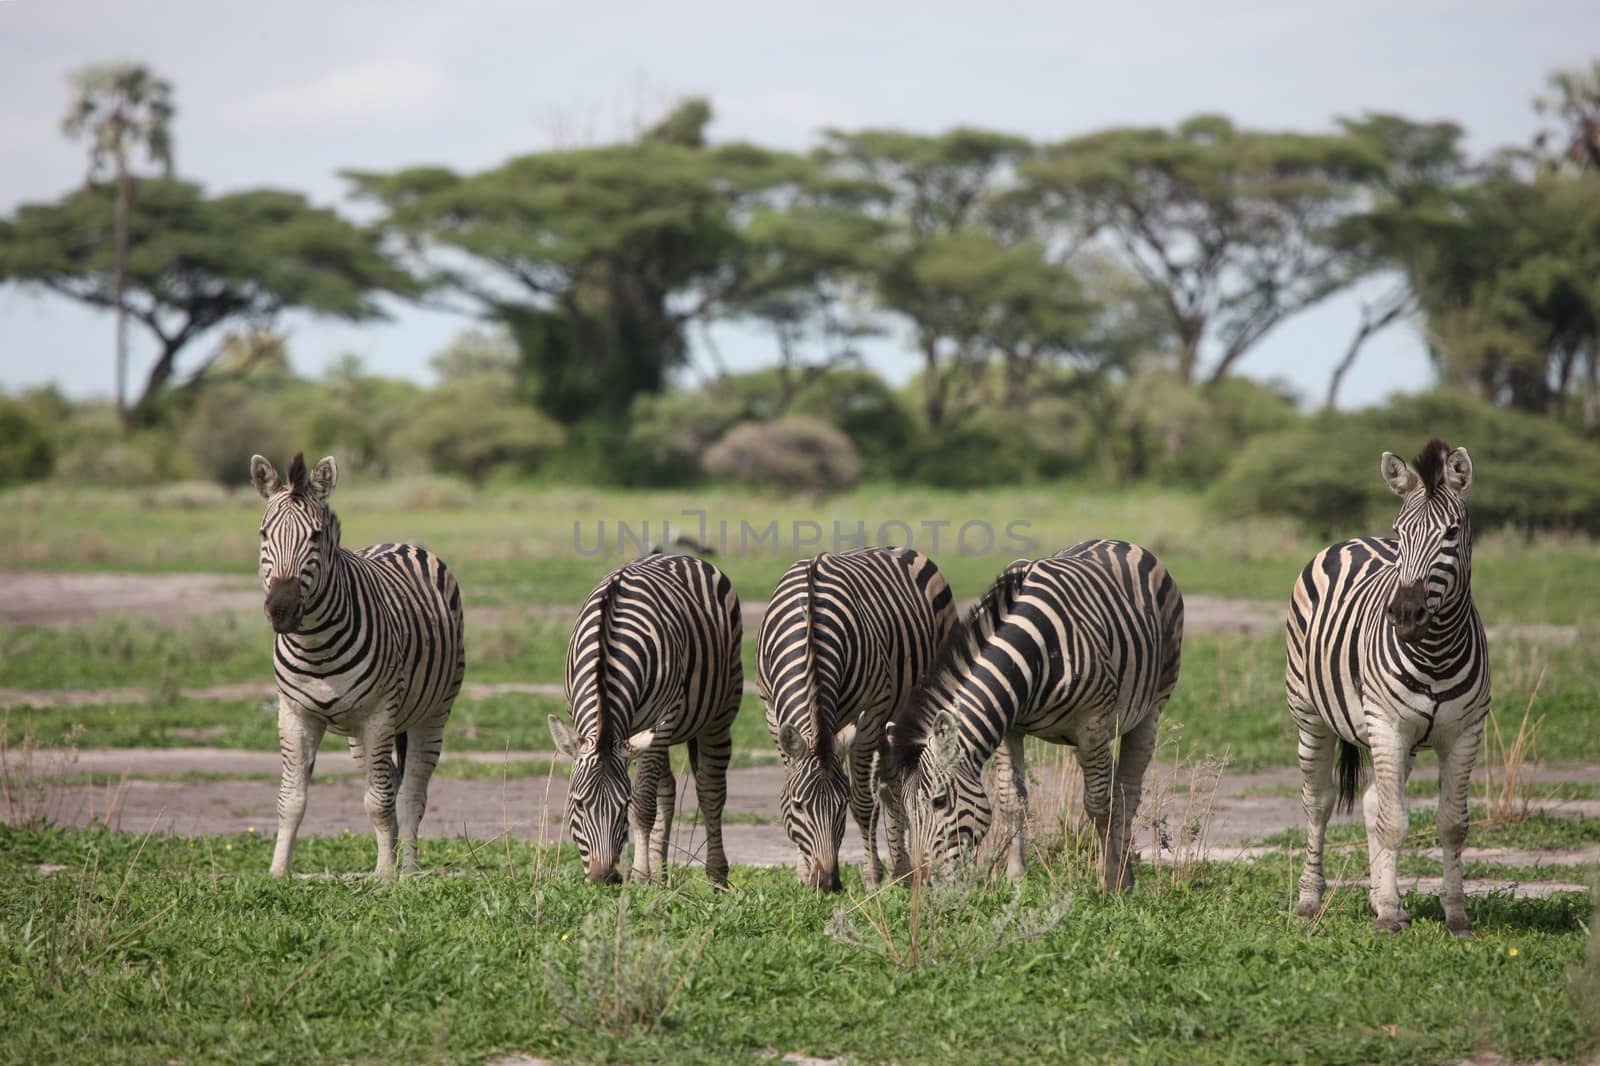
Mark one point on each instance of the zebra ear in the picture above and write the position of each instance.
(1397, 474)
(566, 740)
(323, 478)
(843, 738)
(264, 476)
(791, 742)
(944, 742)
(638, 742)
(1458, 471)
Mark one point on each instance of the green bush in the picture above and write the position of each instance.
(473, 428)
(1529, 472)
(862, 406)
(226, 426)
(980, 450)
(27, 449)
(668, 434)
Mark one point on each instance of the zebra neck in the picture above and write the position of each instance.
(982, 725)
(329, 617)
(1450, 637)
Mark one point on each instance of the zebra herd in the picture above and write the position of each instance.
(880, 700)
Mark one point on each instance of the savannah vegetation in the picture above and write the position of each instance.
(1084, 312)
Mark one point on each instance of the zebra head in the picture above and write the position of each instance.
(598, 796)
(935, 789)
(299, 537)
(815, 793)
(1434, 535)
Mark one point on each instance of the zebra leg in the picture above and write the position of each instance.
(298, 738)
(666, 808)
(1455, 780)
(1384, 806)
(1134, 752)
(373, 747)
(864, 807)
(1094, 757)
(653, 764)
(1011, 802)
(711, 788)
(1318, 747)
(423, 744)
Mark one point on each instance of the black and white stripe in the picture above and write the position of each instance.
(845, 639)
(1081, 648)
(653, 661)
(369, 646)
(1386, 653)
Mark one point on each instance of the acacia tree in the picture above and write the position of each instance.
(196, 263)
(600, 259)
(1228, 227)
(1422, 164)
(942, 262)
(121, 106)
(1572, 103)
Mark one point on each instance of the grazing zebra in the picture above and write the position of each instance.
(653, 661)
(845, 639)
(1386, 652)
(1080, 648)
(369, 647)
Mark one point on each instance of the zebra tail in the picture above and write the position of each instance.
(1350, 757)
(694, 754)
(399, 758)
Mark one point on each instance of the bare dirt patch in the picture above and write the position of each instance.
(39, 597)
(1246, 807)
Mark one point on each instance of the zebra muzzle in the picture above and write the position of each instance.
(1408, 612)
(283, 604)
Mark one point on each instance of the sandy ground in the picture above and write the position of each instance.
(1233, 810)
(1240, 808)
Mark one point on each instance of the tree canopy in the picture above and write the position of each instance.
(1229, 227)
(198, 262)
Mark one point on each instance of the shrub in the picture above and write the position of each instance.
(474, 429)
(865, 409)
(980, 450)
(27, 451)
(226, 427)
(668, 434)
(1529, 472)
(791, 454)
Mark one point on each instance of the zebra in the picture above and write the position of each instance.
(1080, 648)
(845, 638)
(654, 660)
(1386, 653)
(369, 646)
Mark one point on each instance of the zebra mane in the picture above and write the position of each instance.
(908, 731)
(821, 732)
(299, 480)
(604, 607)
(1430, 464)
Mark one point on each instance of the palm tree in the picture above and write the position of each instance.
(121, 105)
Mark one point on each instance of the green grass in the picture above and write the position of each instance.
(175, 948)
(1539, 830)
(516, 546)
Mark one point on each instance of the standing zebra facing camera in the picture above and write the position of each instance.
(653, 661)
(1082, 648)
(1386, 652)
(844, 640)
(368, 646)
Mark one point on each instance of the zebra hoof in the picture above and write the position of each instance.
(1393, 923)
(1308, 908)
(1459, 927)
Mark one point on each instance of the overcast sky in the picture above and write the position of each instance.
(287, 93)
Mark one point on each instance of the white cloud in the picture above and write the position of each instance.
(391, 92)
